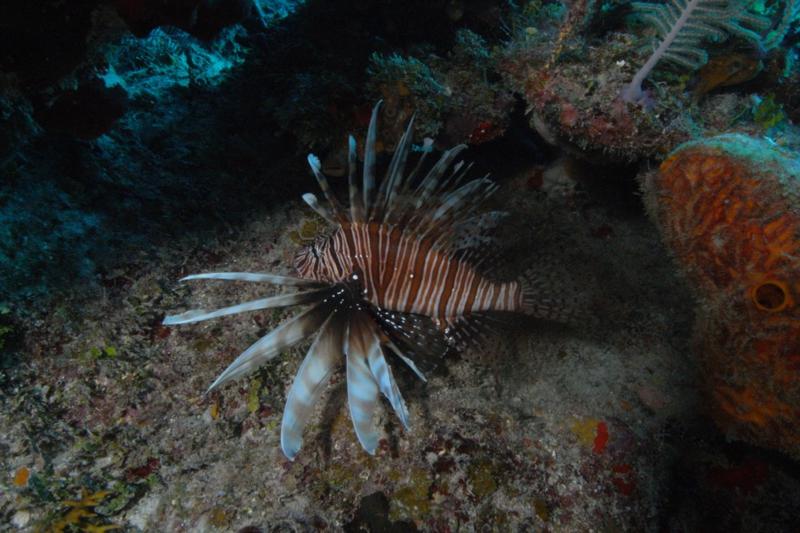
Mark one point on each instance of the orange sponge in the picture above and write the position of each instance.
(729, 208)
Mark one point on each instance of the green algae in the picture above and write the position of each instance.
(203, 344)
(542, 509)
(254, 396)
(272, 425)
(219, 517)
(481, 475)
(412, 499)
(122, 494)
(492, 519)
(43, 487)
(394, 475)
(341, 478)
(96, 353)
(309, 230)
(768, 113)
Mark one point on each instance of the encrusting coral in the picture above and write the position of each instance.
(728, 208)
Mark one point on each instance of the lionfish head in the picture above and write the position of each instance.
(310, 262)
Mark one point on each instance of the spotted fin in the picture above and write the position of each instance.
(472, 233)
(418, 338)
(473, 330)
(323, 356)
(550, 293)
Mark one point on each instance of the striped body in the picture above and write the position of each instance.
(405, 273)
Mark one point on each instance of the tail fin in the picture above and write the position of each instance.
(550, 295)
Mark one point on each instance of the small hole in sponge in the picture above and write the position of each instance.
(771, 296)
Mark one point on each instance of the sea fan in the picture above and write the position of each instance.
(682, 25)
(791, 14)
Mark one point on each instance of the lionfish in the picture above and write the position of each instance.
(398, 275)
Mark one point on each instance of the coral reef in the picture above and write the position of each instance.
(159, 112)
(168, 58)
(17, 124)
(142, 140)
(585, 106)
(564, 431)
(728, 209)
(202, 18)
(682, 26)
(456, 96)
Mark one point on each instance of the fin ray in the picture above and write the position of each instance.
(284, 336)
(394, 174)
(428, 185)
(552, 293)
(362, 391)
(356, 202)
(314, 372)
(392, 346)
(275, 279)
(419, 340)
(321, 210)
(382, 373)
(282, 300)
(336, 208)
(370, 158)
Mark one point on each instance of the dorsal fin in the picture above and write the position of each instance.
(431, 180)
(472, 233)
(321, 210)
(427, 148)
(370, 157)
(394, 175)
(433, 208)
(336, 209)
(356, 202)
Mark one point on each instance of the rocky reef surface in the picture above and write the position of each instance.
(142, 141)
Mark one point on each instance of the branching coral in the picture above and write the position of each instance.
(408, 85)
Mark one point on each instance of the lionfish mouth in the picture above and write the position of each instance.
(343, 324)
